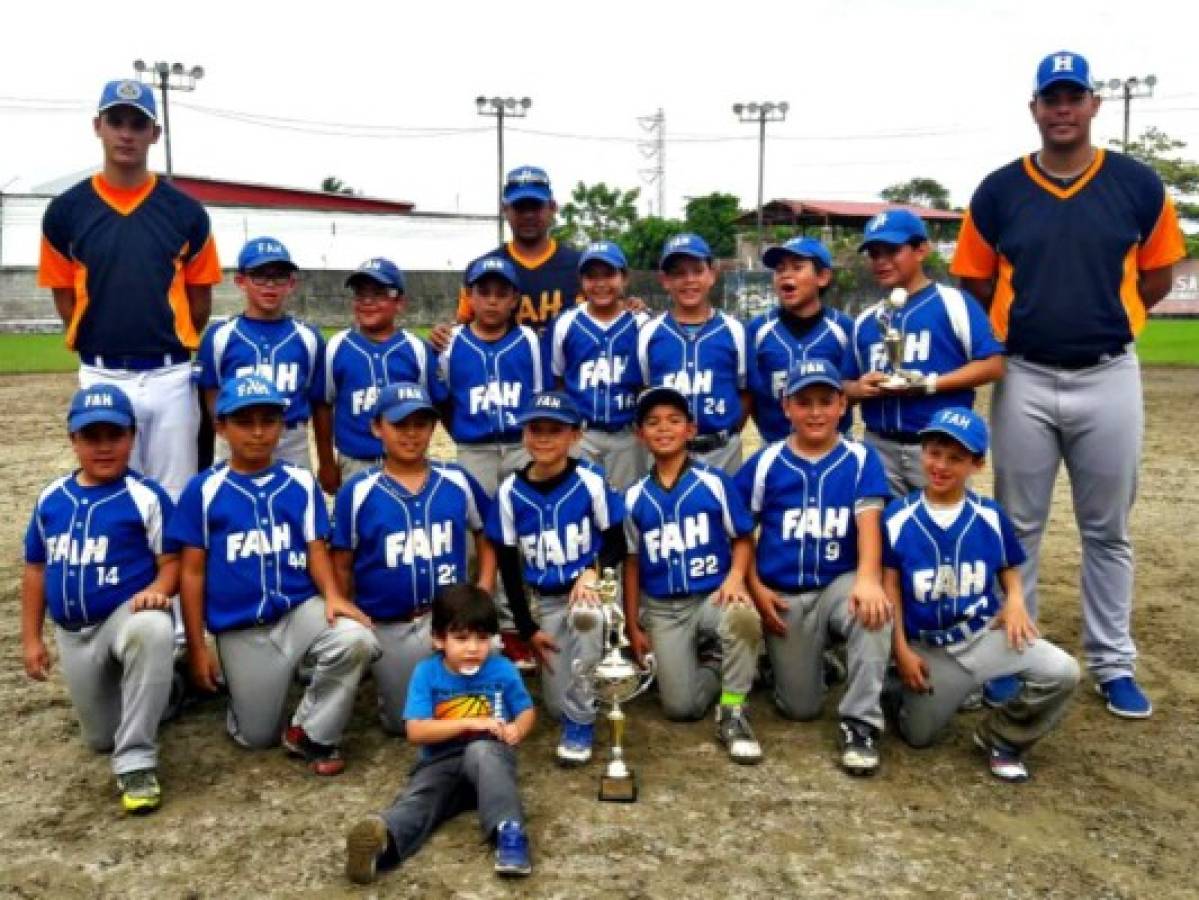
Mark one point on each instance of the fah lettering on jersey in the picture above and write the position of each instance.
(677, 537)
(544, 308)
(548, 548)
(971, 578)
(62, 548)
(403, 548)
(257, 542)
(917, 347)
(363, 401)
(495, 395)
(689, 383)
(285, 376)
(813, 522)
(602, 372)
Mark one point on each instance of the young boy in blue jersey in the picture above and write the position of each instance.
(467, 710)
(593, 357)
(818, 575)
(400, 534)
(951, 562)
(698, 351)
(801, 327)
(555, 524)
(254, 569)
(266, 340)
(690, 546)
(947, 338)
(95, 559)
(361, 361)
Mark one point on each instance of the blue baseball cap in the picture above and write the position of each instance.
(127, 92)
(662, 395)
(527, 183)
(963, 425)
(808, 372)
(893, 226)
(247, 390)
(398, 401)
(604, 251)
(379, 269)
(553, 405)
(685, 245)
(804, 247)
(99, 403)
(261, 251)
(1063, 67)
(492, 265)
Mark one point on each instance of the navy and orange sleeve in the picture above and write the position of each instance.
(55, 268)
(202, 266)
(1165, 245)
(464, 313)
(975, 256)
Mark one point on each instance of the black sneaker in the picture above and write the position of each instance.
(859, 747)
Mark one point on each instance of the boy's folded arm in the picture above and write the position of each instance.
(434, 731)
(514, 586)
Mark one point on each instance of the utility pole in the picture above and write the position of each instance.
(655, 149)
(168, 77)
(500, 108)
(1128, 89)
(761, 113)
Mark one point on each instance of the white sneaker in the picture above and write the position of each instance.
(733, 730)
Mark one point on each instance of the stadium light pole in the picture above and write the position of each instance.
(1128, 89)
(500, 108)
(168, 77)
(761, 113)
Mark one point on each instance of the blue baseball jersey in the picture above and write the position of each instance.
(774, 351)
(559, 532)
(356, 369)
(683, 536)
(708, 366)
(287, 352)
(489, 382)
(406, 545)
(944, 329)
(435, 692)
(99, 544)
(255, 530)
(808, 511)
(597, 362)
(948, 575)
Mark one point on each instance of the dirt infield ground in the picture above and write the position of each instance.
(1111, 811)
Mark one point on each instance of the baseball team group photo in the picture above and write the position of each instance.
(804, 550)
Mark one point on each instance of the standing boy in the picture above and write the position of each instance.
(95, 560)
(265, 340)
(698, 351)
(400, 534)
(690, 546)
(254, 568)
(818, 575)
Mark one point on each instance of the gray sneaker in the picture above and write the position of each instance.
(732, 730)
(859, 747)
(140, 791)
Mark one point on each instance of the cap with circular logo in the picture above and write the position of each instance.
(127, 92)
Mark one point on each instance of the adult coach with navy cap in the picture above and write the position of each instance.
(1072, 245)
(131, 262)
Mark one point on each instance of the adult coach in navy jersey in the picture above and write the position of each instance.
(1071, 246)
(131, 263)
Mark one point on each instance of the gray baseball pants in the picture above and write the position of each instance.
(687, 685)
(619, 453)
(402, 646)
(350, 466)
(901, 463)
(814, 620)
(561, 692)
(119, 676)
(1047, 673)
(1093, 420)
(259, 664)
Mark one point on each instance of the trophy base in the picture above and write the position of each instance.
(618, 788)
(898, 383)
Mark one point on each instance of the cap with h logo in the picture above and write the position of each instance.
(1063, 67)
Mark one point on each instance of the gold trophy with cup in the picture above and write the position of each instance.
(894, 341)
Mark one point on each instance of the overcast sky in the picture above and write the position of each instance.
(879, 91)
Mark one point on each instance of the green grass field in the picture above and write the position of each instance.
(1165, 342)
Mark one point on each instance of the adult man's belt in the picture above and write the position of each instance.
(135, 362)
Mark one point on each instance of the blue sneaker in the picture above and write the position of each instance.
(1125, 698)
(511, 850)
(574, 747)
(999, 691)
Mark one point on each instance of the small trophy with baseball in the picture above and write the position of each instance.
(615, 680)
(894, 341)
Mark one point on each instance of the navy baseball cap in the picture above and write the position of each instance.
(808, 372)
(1063, 67)
(261, 251)
(893, 226)
(127, 92)
(662, 395)
(804, 247)
(99, 403)
(527, 183)
(553, 405)
(685, 245)
(492, 265)
(400, 400)
(963, 425)
(247, 390)
(604, 251)
(379, 269)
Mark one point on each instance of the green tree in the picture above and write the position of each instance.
(334, 185)
(714, 218)
(918, 191)
(642, 242)
(596, 212)
(1157, 150)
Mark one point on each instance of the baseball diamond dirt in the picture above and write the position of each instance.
(1111, 810)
